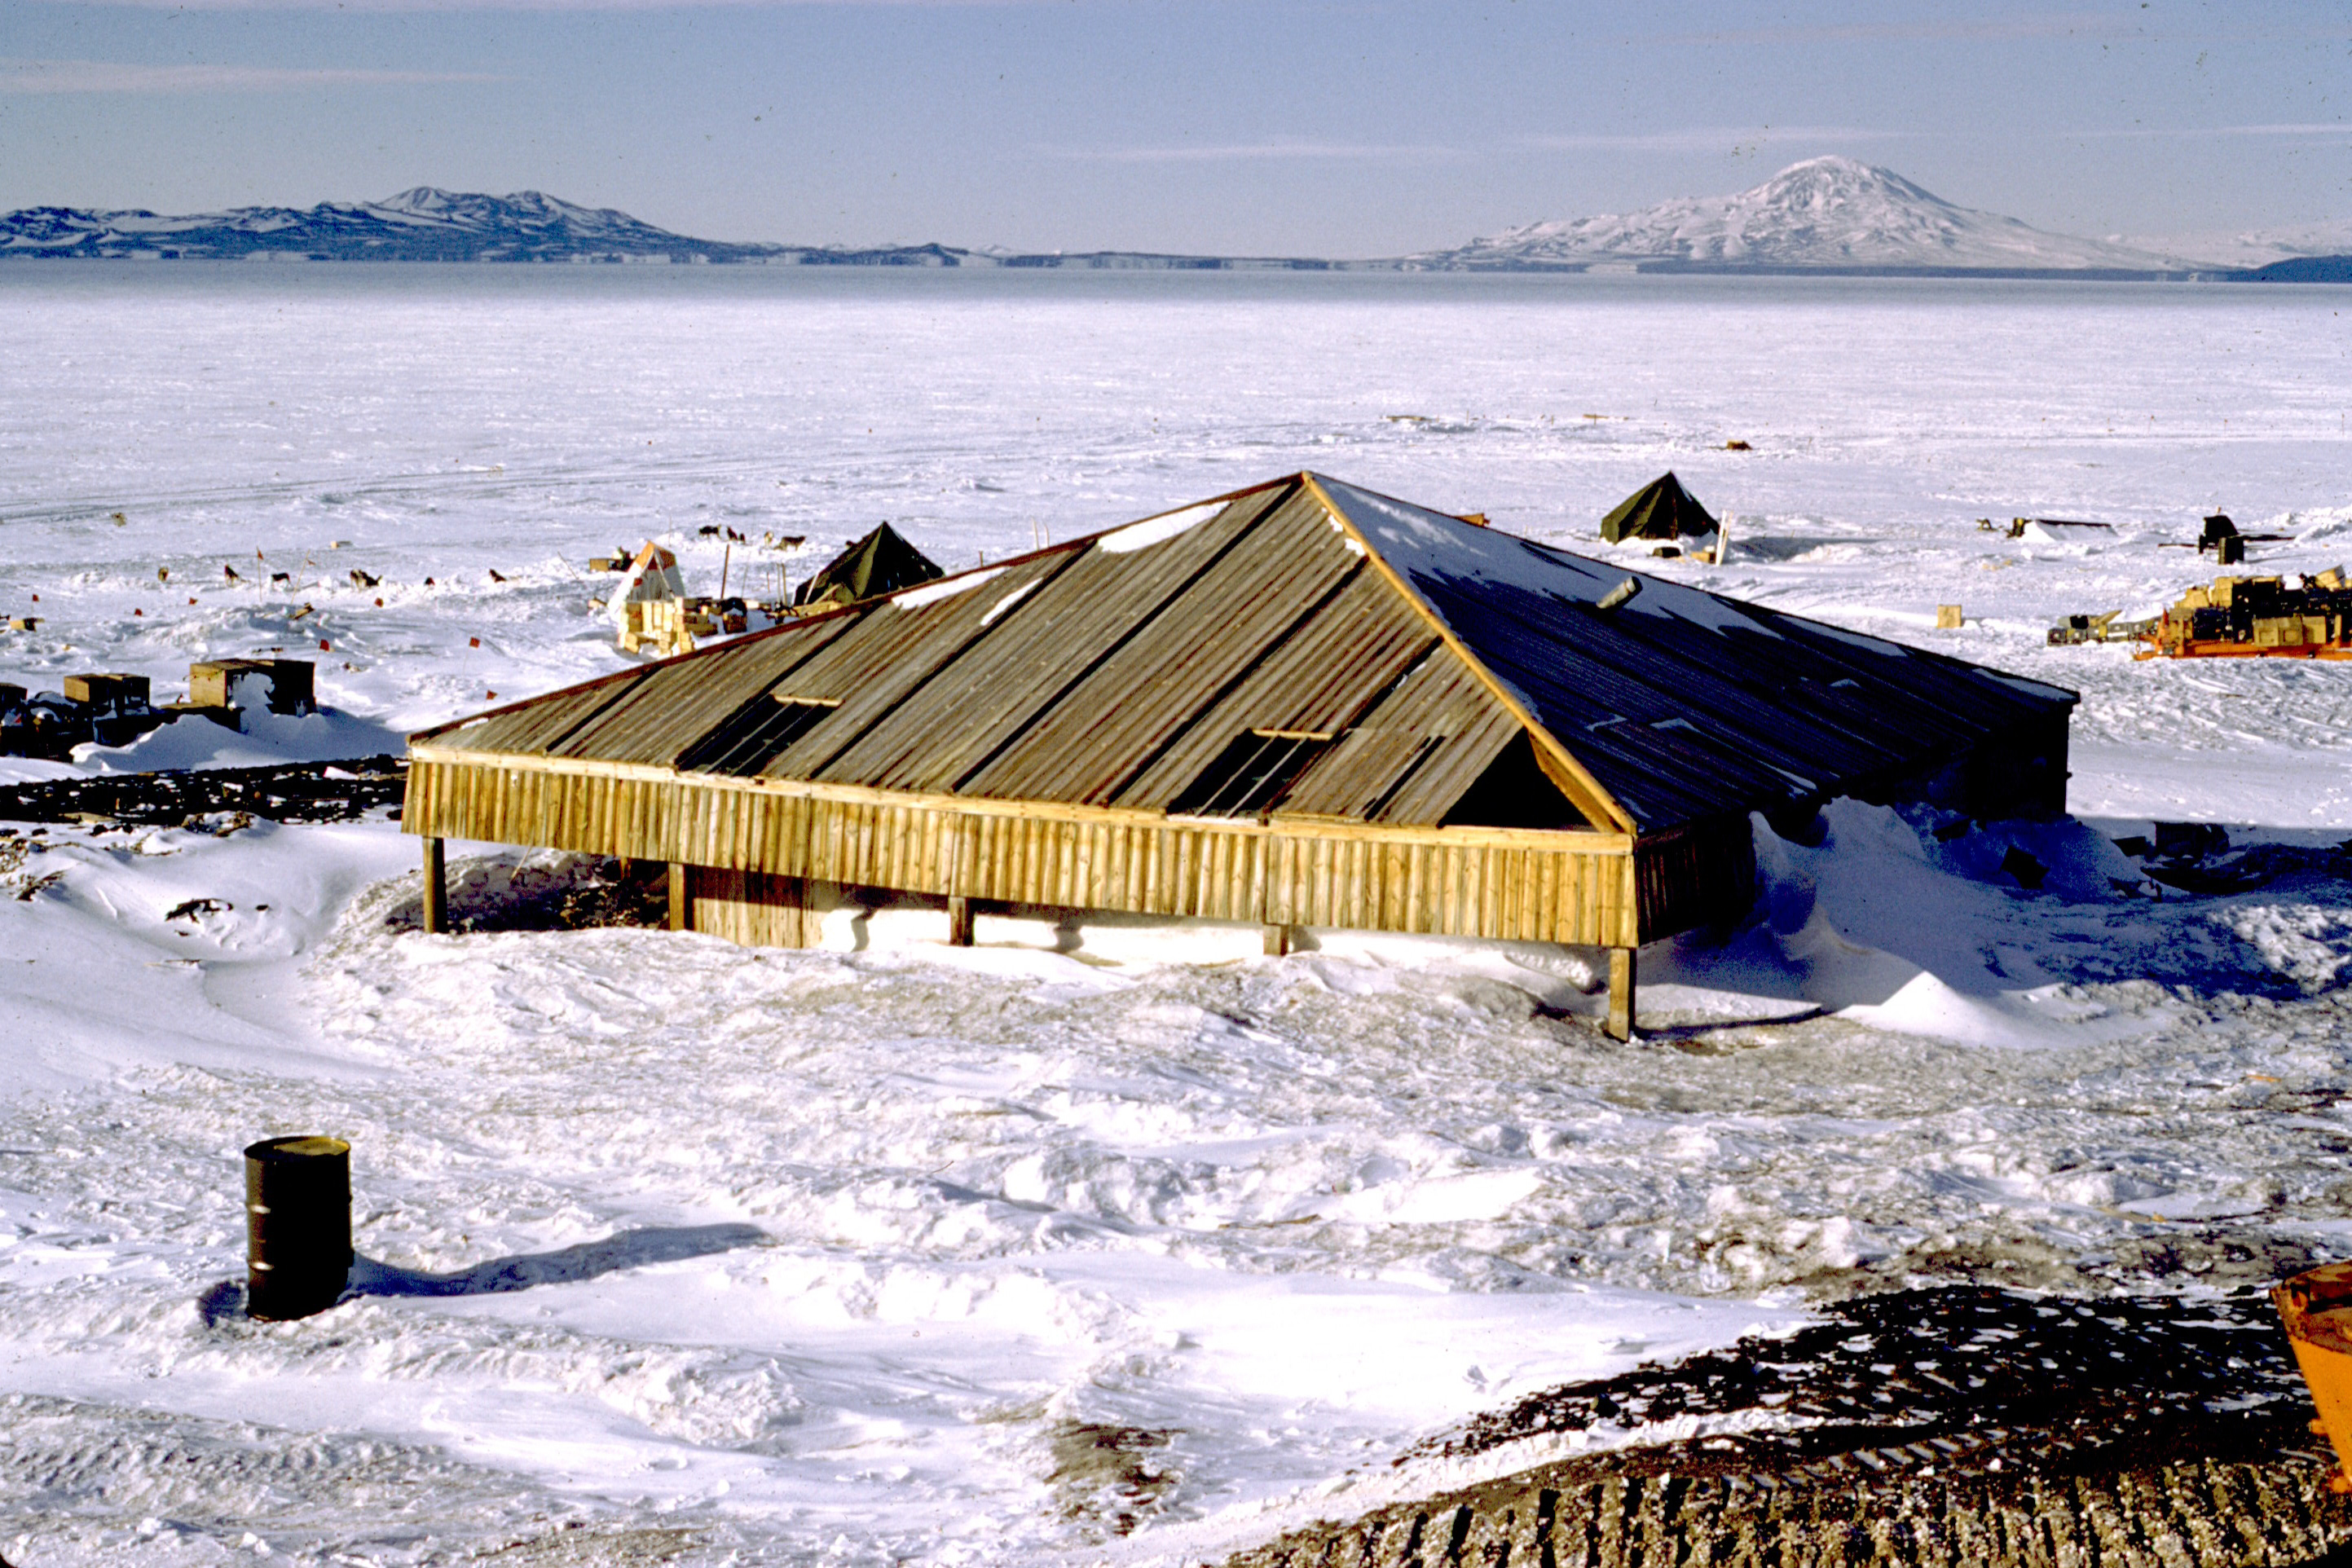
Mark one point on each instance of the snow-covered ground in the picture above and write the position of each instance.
(1015, 1255)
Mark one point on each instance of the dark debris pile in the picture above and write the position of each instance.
(577, 892)
(1964, 1374)
(2227, 871)
(293, 792)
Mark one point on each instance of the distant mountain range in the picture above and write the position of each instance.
(1825, 216)
(431, 225)
(422, 224)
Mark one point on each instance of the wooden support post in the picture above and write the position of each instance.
(1277, 941)
(436, 889)
(958, 922)
(681, 900)
(1620, 992)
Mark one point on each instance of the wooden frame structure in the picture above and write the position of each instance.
(1299, 705)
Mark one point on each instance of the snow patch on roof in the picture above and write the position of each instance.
(1153, 531)
(945, 588)
(1009, 600)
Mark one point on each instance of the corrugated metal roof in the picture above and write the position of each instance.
(1680, 703)
(1118, 669)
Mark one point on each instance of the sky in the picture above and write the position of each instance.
(1270, 127)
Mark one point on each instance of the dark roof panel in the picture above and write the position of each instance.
(1774, 707)
(680, 701)
(900, 644)
(1428, 739)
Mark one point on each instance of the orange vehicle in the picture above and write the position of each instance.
(2316, 1308)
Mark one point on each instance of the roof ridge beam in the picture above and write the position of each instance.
(1583, 791)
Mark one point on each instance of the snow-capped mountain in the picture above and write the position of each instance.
(1824, 212)
(421, 224)
(2252, 247)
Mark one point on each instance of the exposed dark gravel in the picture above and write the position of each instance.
(1956, 1374)
(294, 792)
(1963, 1426)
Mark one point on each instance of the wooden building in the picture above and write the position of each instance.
(1301, 704)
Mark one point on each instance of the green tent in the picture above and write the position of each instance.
(881, 563)
(1659, 510)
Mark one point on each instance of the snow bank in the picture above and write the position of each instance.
(190, 741)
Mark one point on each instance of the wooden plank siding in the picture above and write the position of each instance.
(756, 910)
(1017, 735)
(1587, 888)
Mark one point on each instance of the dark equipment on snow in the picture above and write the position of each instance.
(2221, 536)
(297, 1220)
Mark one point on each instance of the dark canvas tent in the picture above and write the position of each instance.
(881, 563)
(1659, 510)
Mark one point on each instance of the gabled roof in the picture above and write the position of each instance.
(1405, 652)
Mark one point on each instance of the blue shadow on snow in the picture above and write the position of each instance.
(566, 1266)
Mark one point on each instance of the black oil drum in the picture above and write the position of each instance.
(298, 1225)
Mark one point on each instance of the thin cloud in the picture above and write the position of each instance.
(2006, 29)
(1711, 139)
(479, 6)
(2321, 130)
(21, 76)
(1253, 152)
